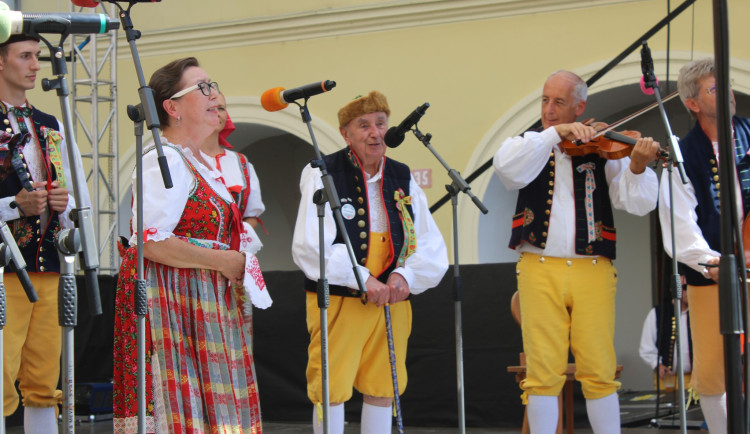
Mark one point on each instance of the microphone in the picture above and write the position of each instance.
(279, 98)
(15, 23)
(395, 135)
(648, 79)
(94, 3)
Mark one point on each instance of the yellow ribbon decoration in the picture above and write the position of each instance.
(410, 236)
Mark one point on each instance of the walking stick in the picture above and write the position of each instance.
(392, 354)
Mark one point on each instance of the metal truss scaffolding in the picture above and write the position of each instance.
(93, 78)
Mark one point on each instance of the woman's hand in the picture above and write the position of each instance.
(233, 266)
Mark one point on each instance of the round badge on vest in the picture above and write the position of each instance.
(347, 211)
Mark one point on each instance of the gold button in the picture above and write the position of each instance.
(8, 130)
(551, 183)
(363, 247)
(356, 178)
(552, 173)
(550, 192)
(361, 223)
(717, 185)
(551, 163)
(541, 259)
(361, 211)
(41, 268)
(714, 170)
(6, 122)
(360, 200)
(544, 245)
(363, 235)
(712, 161)
(546, 211)
(569, 263)
(552, 154)
(549, 201)
(716, 178)
(544, 234)
(38, 221)
(41, 259)
(362, 261)
(718, 194)
(358, 190)
(594, 261)
(546, 223)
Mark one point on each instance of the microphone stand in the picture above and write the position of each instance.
(81, 216)
(320, 197)
(140, 302)
(4, 261)
(459, 185)
(145, 92)
(145, 111)
(674, 159)
(730, 317)
(68, 244)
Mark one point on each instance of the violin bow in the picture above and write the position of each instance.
(634, 115)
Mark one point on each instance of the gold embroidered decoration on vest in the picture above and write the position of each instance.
(54, 139)
(589, 201)
(410, 237)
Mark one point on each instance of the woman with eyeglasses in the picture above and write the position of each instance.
(199, 368)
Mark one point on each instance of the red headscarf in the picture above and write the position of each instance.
(223, 134)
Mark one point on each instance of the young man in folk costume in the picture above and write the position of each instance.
(35, 200)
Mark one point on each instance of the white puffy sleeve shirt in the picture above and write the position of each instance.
(519, 161)
(422, 270)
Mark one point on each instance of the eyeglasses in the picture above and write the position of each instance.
(712, 90)
(205, 88)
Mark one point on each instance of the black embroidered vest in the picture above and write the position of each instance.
(36, 243)
(702, 169)
(351, 186)
(534, 206)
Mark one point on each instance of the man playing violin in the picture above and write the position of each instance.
(566, 279)
(697, 223)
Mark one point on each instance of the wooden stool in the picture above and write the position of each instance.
(567, 393)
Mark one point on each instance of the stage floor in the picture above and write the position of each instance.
(105, 427)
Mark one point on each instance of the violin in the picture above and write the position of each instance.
(609, 144)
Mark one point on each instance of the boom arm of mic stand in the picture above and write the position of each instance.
(459, 183)
(146, 94)
(81, 215)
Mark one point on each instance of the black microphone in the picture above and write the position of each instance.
(16, 23)
(278, 98)
(648, 80)
(396, 135)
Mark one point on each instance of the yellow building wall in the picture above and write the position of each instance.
(473, 65)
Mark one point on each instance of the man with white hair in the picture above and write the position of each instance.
(564, 230)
